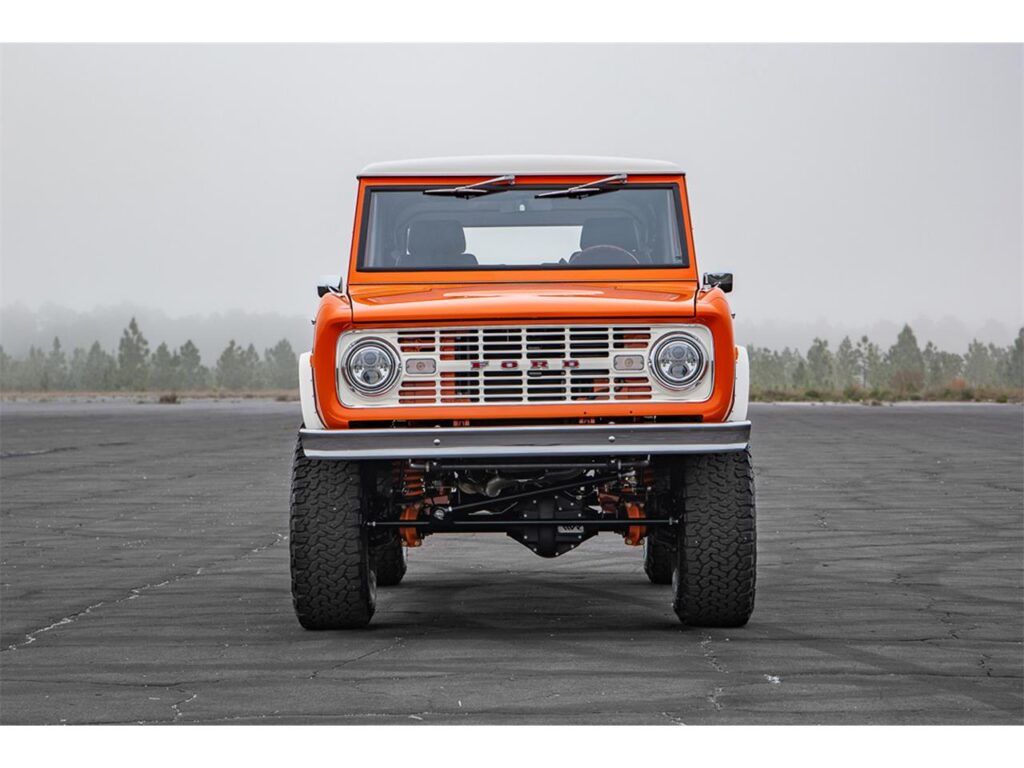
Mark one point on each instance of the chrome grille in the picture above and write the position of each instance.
(530, 364)
(545, 364)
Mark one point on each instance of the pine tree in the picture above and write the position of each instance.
(250, 365)
(941, 368)
(979, 368)
(1014, 374)
(820, 366)
(847, 365)
(76, 369)
(194, 375)
(1000, 357)
(31, 375)
(100, 372)
(7, 368)
(801, 377)
(56, 371)
(873, 369)
(281, 366)
(237, 367)
(906, 364)
(133, 358)
(166, 372)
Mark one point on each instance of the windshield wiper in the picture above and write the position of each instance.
(609, 184)
(474, 190)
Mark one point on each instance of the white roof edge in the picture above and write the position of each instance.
(525, 165)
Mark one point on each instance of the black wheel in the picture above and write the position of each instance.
(658, 558)
(333, 581)
(714, 566)
(390, 563)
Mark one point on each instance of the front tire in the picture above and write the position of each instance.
(333, 580)
(390, 563)
(658, 560)
(714, 568)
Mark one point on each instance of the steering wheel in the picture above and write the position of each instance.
(606, 254)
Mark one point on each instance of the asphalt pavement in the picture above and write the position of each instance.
(144, 578)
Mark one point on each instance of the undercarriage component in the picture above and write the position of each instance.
(485, 525)
(550, 508)
(411, 537)
(548, 539)
(635, 533)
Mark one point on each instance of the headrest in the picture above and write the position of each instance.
(619, 232)
(431, 239)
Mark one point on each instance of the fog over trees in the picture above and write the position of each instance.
(862, 369)
(134, 367)
(855, 369)
(22, 328)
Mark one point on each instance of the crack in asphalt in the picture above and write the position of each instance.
(69, 619)
(711, 658)
(71, 681)
(833, 674)
(399, 641)
(709, 654)
(713, 698)
(40, 452)
(133, 593)
(176, 706)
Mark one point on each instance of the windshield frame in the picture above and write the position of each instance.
(525, 273)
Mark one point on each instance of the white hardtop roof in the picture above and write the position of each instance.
(520, 165)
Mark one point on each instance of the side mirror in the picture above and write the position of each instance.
(721, 279)
(328, 284)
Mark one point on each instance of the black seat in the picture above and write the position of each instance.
(437, 244)
(618, 233)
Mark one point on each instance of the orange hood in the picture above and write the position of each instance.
(489, 301)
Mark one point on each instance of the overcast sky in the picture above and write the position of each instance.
(842, 184)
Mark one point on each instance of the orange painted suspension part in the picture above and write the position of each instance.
(635, 533)
(411, 537)
(413, 491)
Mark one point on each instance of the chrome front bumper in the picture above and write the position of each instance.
(535, 441)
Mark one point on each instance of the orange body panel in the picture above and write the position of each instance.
(457, 303)
(600, 296)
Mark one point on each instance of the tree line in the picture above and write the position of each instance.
(135, 368)
(854, 370)
(861, 369)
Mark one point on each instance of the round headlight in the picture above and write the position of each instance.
(679, 361)
(371, 367)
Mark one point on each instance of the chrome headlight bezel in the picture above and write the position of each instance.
(699, 372)
(387, 383)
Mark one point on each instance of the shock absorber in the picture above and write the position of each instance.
(413, 491)
(634, 535)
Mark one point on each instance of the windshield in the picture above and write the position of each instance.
(512, 228)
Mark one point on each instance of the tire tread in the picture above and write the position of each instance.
(333, 583)
(716, 563)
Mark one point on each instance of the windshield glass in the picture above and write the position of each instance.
(630, 227)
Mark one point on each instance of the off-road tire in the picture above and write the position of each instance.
(714, 567)
(333, 580)
(390, 563)
(658, 558)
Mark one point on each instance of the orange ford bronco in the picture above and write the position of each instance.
(523, 345)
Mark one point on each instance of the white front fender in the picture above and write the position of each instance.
(741, 390)
(307, 395)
